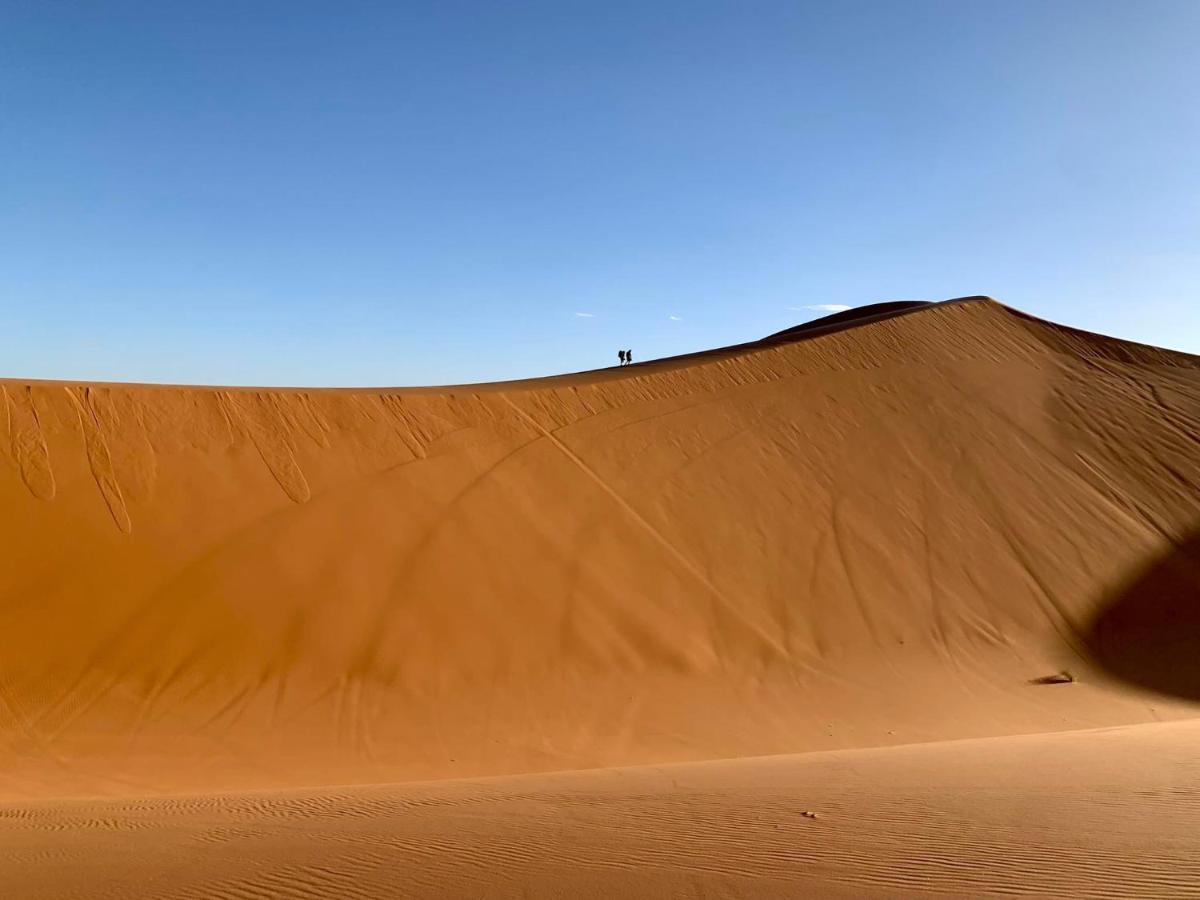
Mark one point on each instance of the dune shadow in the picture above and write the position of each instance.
(1148, 631)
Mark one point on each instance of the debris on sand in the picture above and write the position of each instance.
(1063, 677)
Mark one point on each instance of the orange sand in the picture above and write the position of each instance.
(1083, 814)
(876, 531)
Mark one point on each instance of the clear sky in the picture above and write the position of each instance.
(414, 193)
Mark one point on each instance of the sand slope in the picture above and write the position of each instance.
(872, 533)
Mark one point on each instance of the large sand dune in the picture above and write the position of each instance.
(878, 529)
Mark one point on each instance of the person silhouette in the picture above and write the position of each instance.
(621, 356)
(628, 357)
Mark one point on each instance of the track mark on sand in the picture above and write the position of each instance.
(654, 533)
(259, 419)
(27, 443)
(99, 458)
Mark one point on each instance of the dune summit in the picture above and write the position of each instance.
(872, 530)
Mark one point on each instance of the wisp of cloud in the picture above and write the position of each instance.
(822, 307)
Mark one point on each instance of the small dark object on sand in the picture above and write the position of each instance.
(808, 815)
(1063, 677)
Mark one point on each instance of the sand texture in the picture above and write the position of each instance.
(1084, 814)
(348, 642)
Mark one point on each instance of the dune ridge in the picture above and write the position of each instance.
(877, 530)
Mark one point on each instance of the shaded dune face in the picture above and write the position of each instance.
(876, 531)
(1149, 632)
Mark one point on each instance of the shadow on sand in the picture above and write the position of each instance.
(1149, 630)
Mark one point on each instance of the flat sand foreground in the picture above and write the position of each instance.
(1105, 813)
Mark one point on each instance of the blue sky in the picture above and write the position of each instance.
(416, 193)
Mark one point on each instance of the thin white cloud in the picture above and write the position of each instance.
(586, 315)
(675, 318)
(822, 307)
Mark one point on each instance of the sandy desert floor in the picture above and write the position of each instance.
(612, 633)
(1107, 813)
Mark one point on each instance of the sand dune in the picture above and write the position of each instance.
(881, 528)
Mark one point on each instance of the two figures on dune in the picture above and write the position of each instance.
(626, 356)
